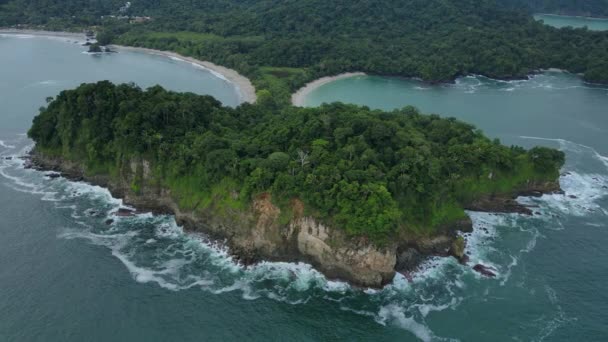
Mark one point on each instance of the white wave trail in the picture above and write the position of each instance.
(395, 314)
(568, 146)
(200, 66)
(5, 145)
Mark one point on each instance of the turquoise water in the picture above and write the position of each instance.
(65, 275)
(559, 21)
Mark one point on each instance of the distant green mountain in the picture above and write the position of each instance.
(436, 40)
(593, 8)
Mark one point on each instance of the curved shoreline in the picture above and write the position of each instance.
(297, 98)
(570, 16)
(244, 87)
(48, 34)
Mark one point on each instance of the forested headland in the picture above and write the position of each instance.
(281, 45)
(372, 173)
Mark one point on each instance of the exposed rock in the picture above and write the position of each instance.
(572, 196)
(408, 260)
(485, 270)
(498, 204)
(457, 249)
(124, 212)
(507, 204)
(262, 232)
(339, 257)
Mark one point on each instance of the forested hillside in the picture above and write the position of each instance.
(593, 8)
(282, 44)
(375, 174)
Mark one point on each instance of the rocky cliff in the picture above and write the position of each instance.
(256, 233)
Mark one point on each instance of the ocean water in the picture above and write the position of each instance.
(67, 275)
(559, 21)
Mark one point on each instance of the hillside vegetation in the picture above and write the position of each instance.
(281, 45)
(591, 8)
(375, 174)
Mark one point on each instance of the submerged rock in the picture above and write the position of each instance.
(124, 212)
(485, 270)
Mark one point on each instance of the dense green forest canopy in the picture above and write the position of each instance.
(282, 44)
(591, 8)
(372, 173)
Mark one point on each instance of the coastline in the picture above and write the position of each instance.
(297, 98)
(48, 34)
(243, 85)
(303, 239)
(570, 16)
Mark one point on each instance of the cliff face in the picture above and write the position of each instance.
(256, 234)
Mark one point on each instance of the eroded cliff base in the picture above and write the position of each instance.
(256, 234)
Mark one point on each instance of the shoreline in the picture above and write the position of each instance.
(570, 16)
(48, 34)
(244, 87)
(297, 98)
(405, 256)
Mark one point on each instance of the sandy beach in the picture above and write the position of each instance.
(243, 84)
(297, 99)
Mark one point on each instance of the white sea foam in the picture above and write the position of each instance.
(5, 145)
(200, 66)
(582, 193)
(394, 314)
(176, 59)
(211, 71)
(425, 309)
(507, 274)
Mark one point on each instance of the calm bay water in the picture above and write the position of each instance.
(67, 276)
(559, 21)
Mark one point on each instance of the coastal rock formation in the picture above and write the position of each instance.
(486, 271)
(258, 232)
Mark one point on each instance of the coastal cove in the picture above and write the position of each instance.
(160, 257)
(244, 88)
(497, 107)
(559, 21)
